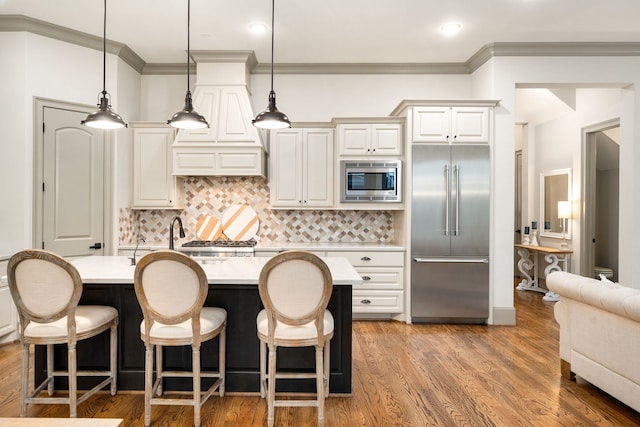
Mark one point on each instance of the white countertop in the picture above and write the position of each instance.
(232, 271)
(281, 246)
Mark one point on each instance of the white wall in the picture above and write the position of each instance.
(39, 67)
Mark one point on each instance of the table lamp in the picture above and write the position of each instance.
(564, 213)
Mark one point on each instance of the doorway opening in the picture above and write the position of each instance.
(601, 182)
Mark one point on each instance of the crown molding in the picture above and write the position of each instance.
(57, 32)
(363, 68)
(18, 23)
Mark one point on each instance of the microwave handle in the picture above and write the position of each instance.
(448, 201)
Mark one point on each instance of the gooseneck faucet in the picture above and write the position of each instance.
(171, 225)
(133, 260)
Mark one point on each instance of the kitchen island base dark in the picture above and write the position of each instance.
(242, 303)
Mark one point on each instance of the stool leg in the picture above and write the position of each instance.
(24, 389)
(271, 386)
(113, 348)
(159, 369)
(73, 380)
(222, 358)
(148, 383)
(50, 369)
(196, 385)
(320, 384)
(263, 368)
(327, 368)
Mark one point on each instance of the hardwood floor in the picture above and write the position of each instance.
(403, 375)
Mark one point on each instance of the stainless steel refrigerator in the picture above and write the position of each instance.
(450, 234)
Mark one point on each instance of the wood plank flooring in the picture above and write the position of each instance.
(403, 375)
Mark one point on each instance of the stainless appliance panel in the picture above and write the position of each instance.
(430, 216)
(450, 290)
(470, 187)
(371, 181)
(450, 233)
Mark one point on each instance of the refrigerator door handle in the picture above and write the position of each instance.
(448, 201)
(456, 174)
(452, 260)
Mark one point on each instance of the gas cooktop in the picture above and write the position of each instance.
(220, 244)
(218, 248)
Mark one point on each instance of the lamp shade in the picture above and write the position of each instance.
(564, 209)
(187, 118)
(104, 117)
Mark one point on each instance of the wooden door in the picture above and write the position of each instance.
(72, 187)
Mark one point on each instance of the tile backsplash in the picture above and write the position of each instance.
(213, 195)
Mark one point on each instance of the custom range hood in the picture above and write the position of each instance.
(231, 146)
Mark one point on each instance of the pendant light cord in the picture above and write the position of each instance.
(104, 50)
(188, 42)
(273, 7)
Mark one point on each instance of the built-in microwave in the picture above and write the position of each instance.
(371, 181)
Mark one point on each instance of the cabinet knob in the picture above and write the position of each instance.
(365, 301)
(365, 258)
(366, 278)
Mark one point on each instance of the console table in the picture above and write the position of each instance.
(529, 262)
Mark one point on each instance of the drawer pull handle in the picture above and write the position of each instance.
(366, 278)
(365, 301)
(365, 258)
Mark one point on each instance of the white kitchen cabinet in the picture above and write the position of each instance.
(8, 312)
(301, 168)
(230, 146)
(451, 124)
(370, 139)
(382, 288)
(154, 187)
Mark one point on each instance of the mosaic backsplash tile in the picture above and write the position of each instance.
(213, 195)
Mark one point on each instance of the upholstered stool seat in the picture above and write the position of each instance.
(211, 319)
(303, 334)
(88, 319)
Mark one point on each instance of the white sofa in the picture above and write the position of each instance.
(599, 333)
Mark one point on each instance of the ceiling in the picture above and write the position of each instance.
(339, 31)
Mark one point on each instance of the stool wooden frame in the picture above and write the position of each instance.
(295, 288)
(35, 275)
(174, 296)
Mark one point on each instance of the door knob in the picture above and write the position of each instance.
(96, 246)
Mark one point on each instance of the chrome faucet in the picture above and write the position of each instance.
(171, 225)
(133, 260)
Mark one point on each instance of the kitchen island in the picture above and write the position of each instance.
(232, 286)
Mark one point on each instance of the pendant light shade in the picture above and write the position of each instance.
(187, 118)
(104, 118)
(272, 118)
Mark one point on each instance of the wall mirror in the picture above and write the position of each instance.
(555, 186)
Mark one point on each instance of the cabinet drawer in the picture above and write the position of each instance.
(387, 278)
(377, 301)
(375, 259)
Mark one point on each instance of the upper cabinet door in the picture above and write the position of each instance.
(318, 174)
(470, 124)
(355, 139)
(431, 124)
(285, 168)
(386, 139)
(153, 184)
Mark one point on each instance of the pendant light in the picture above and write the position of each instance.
(104, 117)
(271, 118)
(187, 118)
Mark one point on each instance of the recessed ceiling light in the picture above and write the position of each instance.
(450, 29)
(258, 28)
